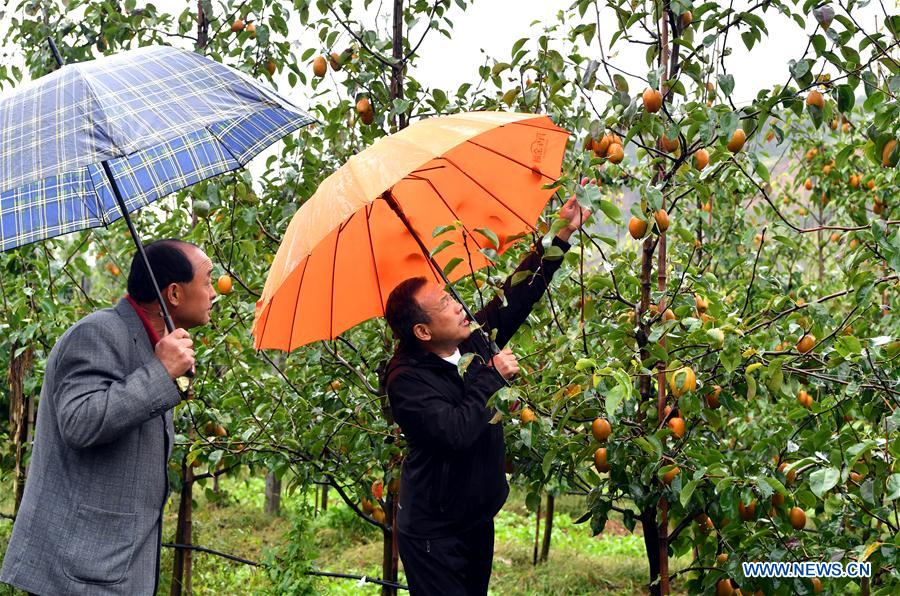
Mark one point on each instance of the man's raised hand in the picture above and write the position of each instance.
(505, 363)
(176, 352)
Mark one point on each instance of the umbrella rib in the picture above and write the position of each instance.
(455, 216)
(492, 195)
(374, 262)
(532, 169)
(297, 303)
(398, 210)
(262, 332)
(337, 239)
(427, 169)
(527, 123)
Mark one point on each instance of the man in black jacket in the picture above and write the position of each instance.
(453, 481)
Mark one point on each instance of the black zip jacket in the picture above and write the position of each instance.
(453, 476)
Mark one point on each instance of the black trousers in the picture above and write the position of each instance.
(454, 565)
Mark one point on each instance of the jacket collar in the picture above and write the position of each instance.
(133, 323)
(412, 356)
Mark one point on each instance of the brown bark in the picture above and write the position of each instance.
(537, 534)
(821, 243)
(399, 66)
(20, 408)
(651, 543)
(390, 557)
(202, 27)
(182, 565)
(548, 528)
(661, 280)
(273, 494)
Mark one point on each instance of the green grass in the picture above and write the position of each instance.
(612, 563)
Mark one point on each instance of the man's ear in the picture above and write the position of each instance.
(422, 332)
(172, 294)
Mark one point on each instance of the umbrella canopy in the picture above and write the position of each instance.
(370, 224)
(155, 119)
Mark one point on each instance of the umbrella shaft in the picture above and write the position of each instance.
(392, 203)
(170, 326)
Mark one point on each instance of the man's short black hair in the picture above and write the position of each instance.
(169, 263)
(403, 311)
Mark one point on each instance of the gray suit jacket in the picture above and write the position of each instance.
(90, 518)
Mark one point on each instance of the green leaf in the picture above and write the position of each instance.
(892, 487)
(726, 83)
(518, 45)
(585, 363)
(553, 253)
(749, 38)
(491, 236)
(687, 492)
(549, 458)
(845, 98)
(262, 35)
(821, 481)
(442, 229)
(765, 489)
(520, 276)
(589, 31)
(776, 485)
(894, 84)
(614, 398)
(490, 254)
(799, 69)
(848, 345)
(751, 387)
(762, 171)
(441, 246)
(610, 210)
(510, 96)
(452, 265)
(589, 73)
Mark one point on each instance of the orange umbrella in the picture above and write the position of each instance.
(370, 224)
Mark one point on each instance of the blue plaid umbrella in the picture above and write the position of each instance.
(91, 142)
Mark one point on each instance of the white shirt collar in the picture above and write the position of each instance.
(453, 358)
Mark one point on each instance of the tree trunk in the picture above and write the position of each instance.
(651, 543)
(183, 561)
(663, 531)
(324, 502)
(20, 410)
(821, 243)
(537, 534)
(390, 555)
(398, 68)
(273, 494)
(548, 528)
(202, 27)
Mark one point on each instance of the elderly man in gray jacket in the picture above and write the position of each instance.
(90, 521)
